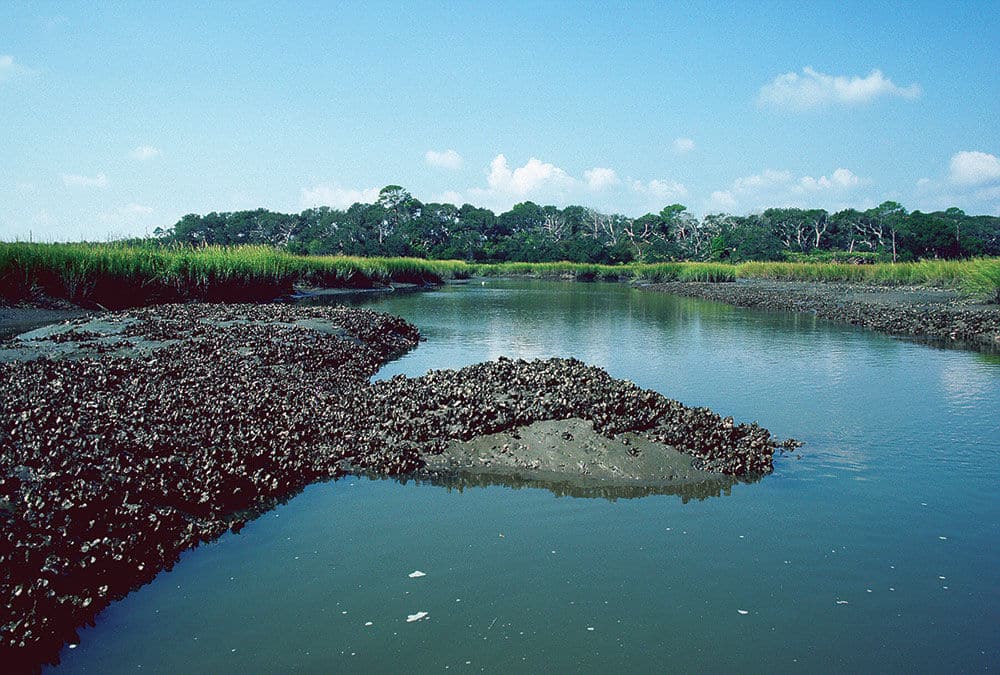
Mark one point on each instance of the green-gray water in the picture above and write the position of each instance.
(876, 550)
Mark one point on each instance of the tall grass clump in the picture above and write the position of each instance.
(115, 275)
(945, 273)
(553, 270)
(982, 279)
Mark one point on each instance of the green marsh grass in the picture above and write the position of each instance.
(114, 275)
(119, 275)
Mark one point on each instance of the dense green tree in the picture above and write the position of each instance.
(399, 224)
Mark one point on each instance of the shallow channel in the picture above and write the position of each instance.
(875, 547)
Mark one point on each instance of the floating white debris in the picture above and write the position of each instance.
(410, 618)
(940, 577)
(416, 574)
(742, 611)
(590, 628)
(842, 602)
(73, 646)
(943, 538)
(369, 623)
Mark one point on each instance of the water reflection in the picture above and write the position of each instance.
(720, 486)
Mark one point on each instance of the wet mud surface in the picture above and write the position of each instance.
(129, 437)
(917, 312)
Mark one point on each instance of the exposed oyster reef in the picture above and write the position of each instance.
(128, 438)
(918, 312)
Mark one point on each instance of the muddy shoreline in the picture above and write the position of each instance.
(919, 312)
(129, 437)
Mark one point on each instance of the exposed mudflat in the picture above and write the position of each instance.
(569, 457)
(129, 437)
(17, 320)
(918, 311)
(550, 448)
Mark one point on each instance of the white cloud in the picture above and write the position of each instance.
(660, 189)
(336, 196)
(971, 168)
(722, 200)
(600, 178)
(144, 152)
(813, 89)
(683, 145)
(841, 178)
(449, 159)
(972, 183)
(772, 188)
(545, 183)
(536, 180)
(76, 180)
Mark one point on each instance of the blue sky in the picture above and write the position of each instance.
(116, 118)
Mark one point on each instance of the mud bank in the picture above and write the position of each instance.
(919, 312)
(127, 438)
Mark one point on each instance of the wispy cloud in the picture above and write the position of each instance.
(600, 178)
(448, 159)
(660, 190)
(973, 168)
(772, 188)
(813, 89)
(130, 214)
(682, 146)
(9, 67)
(336, 196)
(546, 183)
(76, 180)
(144, 152)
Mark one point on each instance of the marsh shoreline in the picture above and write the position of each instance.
(920, 312)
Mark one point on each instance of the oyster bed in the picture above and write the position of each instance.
(925, 312)
(127, 438)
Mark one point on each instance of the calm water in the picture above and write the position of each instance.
(877, 550)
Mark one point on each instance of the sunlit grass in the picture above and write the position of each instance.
(121, 275)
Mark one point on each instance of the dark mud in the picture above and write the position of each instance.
(161, 428)
(940, 315)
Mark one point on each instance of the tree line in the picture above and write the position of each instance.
(397, 224)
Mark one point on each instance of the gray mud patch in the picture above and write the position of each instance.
(17, 320)
(570, 452)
